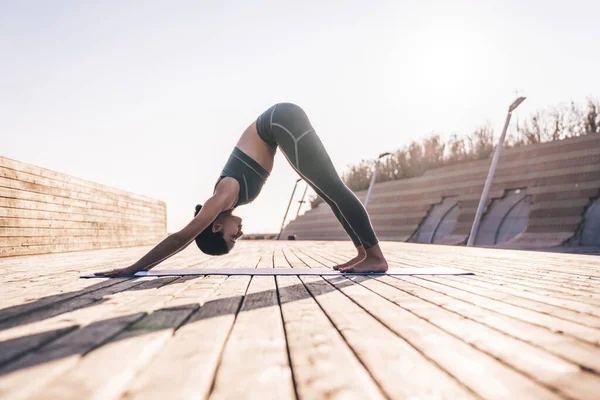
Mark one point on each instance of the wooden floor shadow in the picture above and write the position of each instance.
(51, 306)
(40, 348)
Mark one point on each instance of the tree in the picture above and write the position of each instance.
(556, 123)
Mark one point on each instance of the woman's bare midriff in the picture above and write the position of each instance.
(251, 144)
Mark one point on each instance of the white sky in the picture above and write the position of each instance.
(151, 96)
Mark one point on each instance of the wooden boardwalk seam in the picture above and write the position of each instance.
(526, 326)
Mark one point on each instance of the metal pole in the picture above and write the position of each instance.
(301, 201)
(492, 170)
(288, 209)
(374, 177)
(372, 183)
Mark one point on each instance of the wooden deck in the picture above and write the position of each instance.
(527, 326)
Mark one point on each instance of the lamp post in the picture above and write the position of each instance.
(490, 177)
(374, 177)
(288, 209)
(301, 201)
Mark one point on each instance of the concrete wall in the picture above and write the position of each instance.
(561, 179)
(43, 211)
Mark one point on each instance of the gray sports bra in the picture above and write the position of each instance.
(250, 175)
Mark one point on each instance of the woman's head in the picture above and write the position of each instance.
(220, 236)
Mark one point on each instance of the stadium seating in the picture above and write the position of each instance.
(539, 196)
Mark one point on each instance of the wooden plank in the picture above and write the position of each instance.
(291, 258)
(572, 287)
(255, 354)
(395, 336)
(398, 368)
(16, 251)
(567, 144)
(46, 319)
(499, 259)
(54, 220)
(123, 230)
(322, 362)
(547, 265)
(565, 169)
(464, 176)
(56, 223)
(185, 367)
(279, 260)
(453, 184)
(77, 240)
(196, 360)
(31, 173)
(115, 363)
(28, 310)
(47, 294)
(532, 275)
(95, 326)
(91, 335)
(572, 310)
(576, 288)
(582, 332)
(585, 355)
(26, 273)
(266, 260)
(25, 281)
(17, 202)
(444, 349)
(541, 366)
(65, 209)
(60, 195)
(67, 351)
(109, 218)
(564, 188)
(93, 203)
(543, 288)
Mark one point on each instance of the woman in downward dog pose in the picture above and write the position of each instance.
(216, 230)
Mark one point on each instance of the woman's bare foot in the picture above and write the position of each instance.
(374, 262)
(362, 253)
(369, 264)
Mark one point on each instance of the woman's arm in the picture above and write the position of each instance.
(176, 242)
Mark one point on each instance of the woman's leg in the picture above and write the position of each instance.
(336, 211)
(289, 126)
(338, 215)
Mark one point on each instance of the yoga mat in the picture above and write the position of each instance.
(290, 271)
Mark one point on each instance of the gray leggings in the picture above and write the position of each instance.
(288, 126)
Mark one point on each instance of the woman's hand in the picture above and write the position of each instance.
(174, 243)
(119, 271)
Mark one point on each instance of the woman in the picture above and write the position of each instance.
(216, 230)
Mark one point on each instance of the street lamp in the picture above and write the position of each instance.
(374, 177)
(288, 209)
(301, 201)
(490, 177)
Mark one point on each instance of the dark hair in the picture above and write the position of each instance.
(212, 243)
